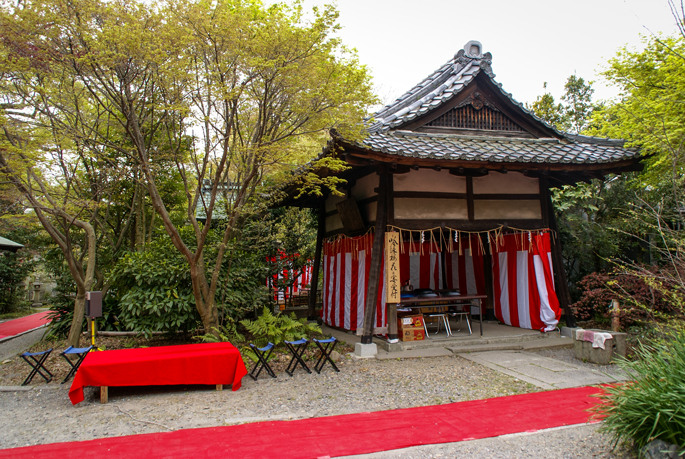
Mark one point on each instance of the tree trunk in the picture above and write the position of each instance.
(77, 324)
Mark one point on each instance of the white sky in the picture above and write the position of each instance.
(531, 41)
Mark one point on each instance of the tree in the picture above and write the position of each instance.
(224, 91)
(578, 104)
(650, 112)
(548, 110)
(573, 113)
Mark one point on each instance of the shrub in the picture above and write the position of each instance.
(640, 300)
(153, 290)
(652, 405)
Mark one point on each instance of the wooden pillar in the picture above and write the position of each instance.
(392, 322)
(375, 274)
(561, 283)
(314, 285)
(487, 277)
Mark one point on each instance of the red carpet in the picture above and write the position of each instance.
(341, 435)
(16, 326)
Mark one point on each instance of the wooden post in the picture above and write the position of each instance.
(392, 286)
(219, 387)
(392, 322)
(104, 394)
(561, 284)
(615, 318)
(314, 285)
(376, 257)
(487, 277)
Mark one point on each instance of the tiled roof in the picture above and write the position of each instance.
(441, 86)
(438, 88)
(493, 149)
(386, 134)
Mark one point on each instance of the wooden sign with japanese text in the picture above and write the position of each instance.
(392, 267)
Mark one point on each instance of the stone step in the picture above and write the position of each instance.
(475, 341)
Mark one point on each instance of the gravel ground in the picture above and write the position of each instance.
(45, 415)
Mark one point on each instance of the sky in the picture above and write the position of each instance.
(531, 41)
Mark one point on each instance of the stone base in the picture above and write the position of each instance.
(614, 347)
(365, 351)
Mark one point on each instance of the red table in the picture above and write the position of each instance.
(204, 363)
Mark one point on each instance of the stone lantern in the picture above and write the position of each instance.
(36, 295)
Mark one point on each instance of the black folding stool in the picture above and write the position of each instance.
(81, 352)
(263, 354)
(297, 349)
(37, 362)
(325, 353)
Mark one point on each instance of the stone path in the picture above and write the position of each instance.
(544, 372)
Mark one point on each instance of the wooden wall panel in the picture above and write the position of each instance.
(365, 186)
(333, 223)
(368, 212)
(331, 201)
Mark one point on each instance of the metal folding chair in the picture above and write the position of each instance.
(37, 362)
(297, 349)
(440, 316)
(263, 354)
(326, 349)
(80, 352)
(462, 314)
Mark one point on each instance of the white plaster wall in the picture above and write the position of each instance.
(501, 209)
(509, 183)
(429, 180)
(430, 209)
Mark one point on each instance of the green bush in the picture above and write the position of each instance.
(153, 290)
(652, 405)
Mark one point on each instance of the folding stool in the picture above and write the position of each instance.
(37, 362)
(297, 349)
(325, 353)
(81, 352)
(263, 354)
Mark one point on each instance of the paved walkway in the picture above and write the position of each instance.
(543, 372)
(15, 327)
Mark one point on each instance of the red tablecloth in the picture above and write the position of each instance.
(204, 363)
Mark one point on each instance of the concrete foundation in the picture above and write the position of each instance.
(365, 351)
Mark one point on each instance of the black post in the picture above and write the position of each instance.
(314, 285)
(376, 257)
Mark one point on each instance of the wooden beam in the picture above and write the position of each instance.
(375, 274)
(469, 225)
(469, 198)
(429, 195)
(314, 285)
(390, 198)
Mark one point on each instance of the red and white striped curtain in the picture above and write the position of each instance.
(346, 267)
(522, 277)
(524, 282)
(300, 278)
